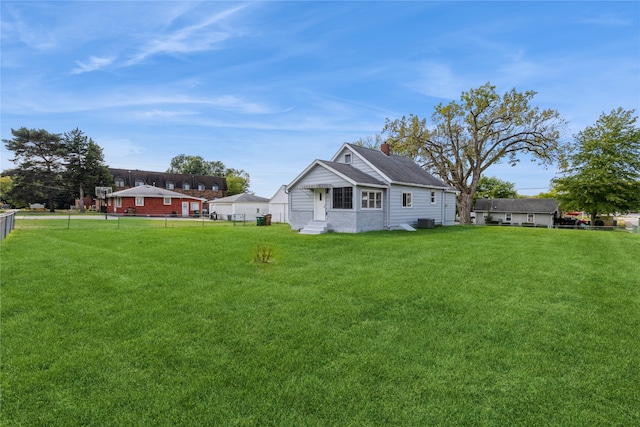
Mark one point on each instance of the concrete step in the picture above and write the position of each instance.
(315, 227)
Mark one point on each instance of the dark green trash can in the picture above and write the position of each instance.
(196, 214)
(259, 221)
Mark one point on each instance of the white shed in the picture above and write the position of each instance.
(239, 207)
(279, 206)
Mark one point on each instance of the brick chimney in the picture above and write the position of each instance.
(385, 148)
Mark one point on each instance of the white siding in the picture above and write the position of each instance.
(449, 208)
(421, 206)
(358, 163)
(301, 200)
(279, 206)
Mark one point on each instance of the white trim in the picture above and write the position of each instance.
(368, 200)
(410, 204)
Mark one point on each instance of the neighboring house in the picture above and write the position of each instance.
(240, 207)
(149, 200)
(530, 211)
(361, 189)
(201, 186)
(279, 206)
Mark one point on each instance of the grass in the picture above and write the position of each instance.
(147, 325)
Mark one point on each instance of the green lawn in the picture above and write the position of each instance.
(147, 325)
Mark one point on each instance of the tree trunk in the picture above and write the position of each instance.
(593, 219)
(52, 209)
(81, 199)
(465, 200)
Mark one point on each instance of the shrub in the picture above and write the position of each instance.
(263, 254)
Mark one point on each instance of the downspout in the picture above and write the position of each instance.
(387, 215)
(442, 208)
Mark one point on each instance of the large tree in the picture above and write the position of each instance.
(470, 135)
(495, 188)
(601, 173)
(85, 168)
(237, 179)
(39, 159)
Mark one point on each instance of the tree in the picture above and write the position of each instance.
(85, 168)
(480, 130)
(39, 157)
(5, 186)
(494, 188)
(195, 165)
(237, 179)
(601, 173)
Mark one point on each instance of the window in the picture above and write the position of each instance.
(371, 200)
(347, 158)
(186, 185)
(433, 197)
(139, 182)
(170, 185)
(201, 186)
(214, 187)
(118, 202)
(167, 200)
(406, 200)
(507, 217)
(139, 201)
(119, 181)
(195, 206)
(343, 198)
(530, 217)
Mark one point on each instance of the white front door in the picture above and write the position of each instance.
(319, 211)
(185, 209)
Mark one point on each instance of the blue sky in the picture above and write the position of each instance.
(270, 86)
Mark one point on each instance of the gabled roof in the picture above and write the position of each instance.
(356, 176)
(528, 205)
(241, 198)
(397, 169)
(394, 169)
(150, 191)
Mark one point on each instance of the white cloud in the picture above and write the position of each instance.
(437, 80)
(94, 63)
(194, 38)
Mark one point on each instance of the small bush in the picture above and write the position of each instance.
(264, 253)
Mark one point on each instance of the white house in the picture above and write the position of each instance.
(240, 207)
(361, 189)
(279, 206)
(527, 211)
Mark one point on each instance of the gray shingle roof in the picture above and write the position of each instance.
(150, 191)
(399, 169)
(529, 205)
(352, 173)
(242, 198)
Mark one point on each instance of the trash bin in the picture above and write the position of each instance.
(267, 219)
(196, 214)
(259, 221)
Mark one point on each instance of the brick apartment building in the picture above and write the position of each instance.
(201, 186)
